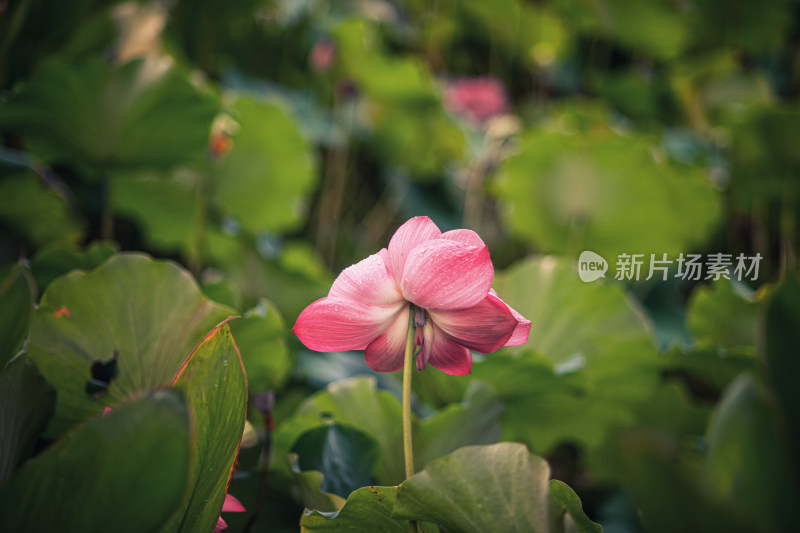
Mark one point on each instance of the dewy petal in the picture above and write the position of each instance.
(232, 505)
(407, 237)
(338, 324)
(221, 525)
(464, 236)
(483, 328)
(443, 274)
(367, 281)
(448, 355)
(387, 351)
(523, 329)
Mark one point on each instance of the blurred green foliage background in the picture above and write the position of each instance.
(267, 144)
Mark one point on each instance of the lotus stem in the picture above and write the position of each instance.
(408, 369)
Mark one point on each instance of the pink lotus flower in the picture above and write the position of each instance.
(230, 505)
(445, 279)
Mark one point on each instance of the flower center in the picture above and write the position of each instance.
(420, 317)
(423, 335)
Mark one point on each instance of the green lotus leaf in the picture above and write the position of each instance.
(215, 386)
(143, 113)
(566, 192)
(589, 361)
(35, 212)
(265, 179)
(499, 487)
(16, 309)
(342, 454)
(141, 315)
(126, 471)
(26, 404)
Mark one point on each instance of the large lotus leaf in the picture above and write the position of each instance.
(358, 403)
(53, 261)
(342, 454)
(723, 314)
(747, 458)
(126, 472)
(599, 357)
(266, 177)
(142, 113)
(36, 213)
(148, 314)
(16, 307)
(215, 386)
(26, 404)
(777, 346)
(600, 191)
(499, 487)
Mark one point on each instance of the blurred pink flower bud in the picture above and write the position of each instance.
(476, 99)
(322, 55)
